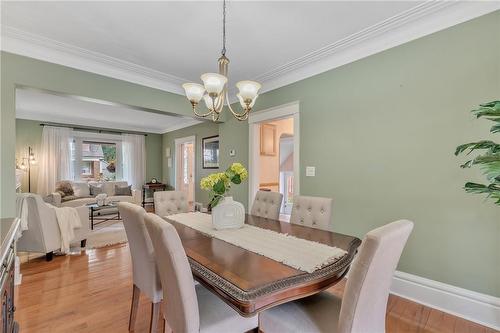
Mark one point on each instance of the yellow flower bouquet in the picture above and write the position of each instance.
(220, 183)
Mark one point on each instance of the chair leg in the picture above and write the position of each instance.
(155, 316)
(49, 256)
(83, 243)
(136, 292)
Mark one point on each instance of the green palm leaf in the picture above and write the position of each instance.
(489, 161)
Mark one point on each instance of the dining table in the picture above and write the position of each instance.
(250, 282)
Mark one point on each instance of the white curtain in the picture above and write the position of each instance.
(55, 158)
(134, 160)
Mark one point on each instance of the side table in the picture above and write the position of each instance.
(152, 187)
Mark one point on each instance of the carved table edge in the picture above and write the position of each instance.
(241, 295)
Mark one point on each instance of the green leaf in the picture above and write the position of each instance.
(492, 190)
(483, 144)
(495, 128)
(229, 173)
(491, 109)
(236, 179)
(219, 187)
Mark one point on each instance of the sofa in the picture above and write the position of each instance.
(82, 195)
(43, 235)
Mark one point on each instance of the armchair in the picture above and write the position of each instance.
(43, 233)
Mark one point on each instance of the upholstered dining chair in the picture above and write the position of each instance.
(145, 275)
(170, 202)
(314, 212)
(188, 308)
(267, 204)
(364, 303)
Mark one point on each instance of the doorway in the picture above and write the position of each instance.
(286, 172)
(185, 167)
(274, 154)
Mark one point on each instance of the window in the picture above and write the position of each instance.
(98, 160)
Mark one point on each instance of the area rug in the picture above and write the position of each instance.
(107, 235)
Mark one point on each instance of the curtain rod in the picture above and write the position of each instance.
(93, 129)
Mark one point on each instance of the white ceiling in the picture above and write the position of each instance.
(183, 39)
(47, 107)
(162, 44)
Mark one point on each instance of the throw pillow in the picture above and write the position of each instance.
(65, 188)
(81, 189)
(123, 190)
(95, 190)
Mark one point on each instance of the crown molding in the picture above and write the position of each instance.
(46, 49)
(419, 21)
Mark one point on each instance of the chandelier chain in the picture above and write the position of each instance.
(224, 28)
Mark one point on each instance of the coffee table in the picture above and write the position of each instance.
(95, 208)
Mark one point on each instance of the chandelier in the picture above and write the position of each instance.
(215, 86)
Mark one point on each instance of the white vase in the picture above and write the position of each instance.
(228, 214)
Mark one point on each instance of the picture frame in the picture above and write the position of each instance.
(268, 139)
(210, 152)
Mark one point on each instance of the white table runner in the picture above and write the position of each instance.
(298, 253)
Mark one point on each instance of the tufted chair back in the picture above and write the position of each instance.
(314, 212)
(170, 202)
(267, 204)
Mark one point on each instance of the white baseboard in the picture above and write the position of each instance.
(480, 308)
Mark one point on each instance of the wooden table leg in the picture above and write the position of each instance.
(136, 292)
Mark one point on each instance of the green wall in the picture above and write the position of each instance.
(29, 133)
(382, 131)
(200, 131)
(153, 156)
(18, 70)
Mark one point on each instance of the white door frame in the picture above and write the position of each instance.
(178, 143)
(279, 112)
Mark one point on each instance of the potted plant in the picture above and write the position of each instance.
(226, 213)
(489, 159)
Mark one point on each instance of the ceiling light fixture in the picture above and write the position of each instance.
(215, 86)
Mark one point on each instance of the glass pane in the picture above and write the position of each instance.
(98, 161)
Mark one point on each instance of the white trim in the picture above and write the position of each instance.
(39, 47)
(279, 112)
(178, 142)
(419, 21)
(480, 308)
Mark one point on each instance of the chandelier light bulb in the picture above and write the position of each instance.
(209, 102)
(213, 82)
(242, 101)
(194, 91)
(248, 89)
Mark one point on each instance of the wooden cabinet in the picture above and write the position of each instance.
(8, 230)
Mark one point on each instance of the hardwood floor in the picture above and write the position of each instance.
(92, 291)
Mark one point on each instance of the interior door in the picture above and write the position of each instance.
(185, 170)
(190, 171)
